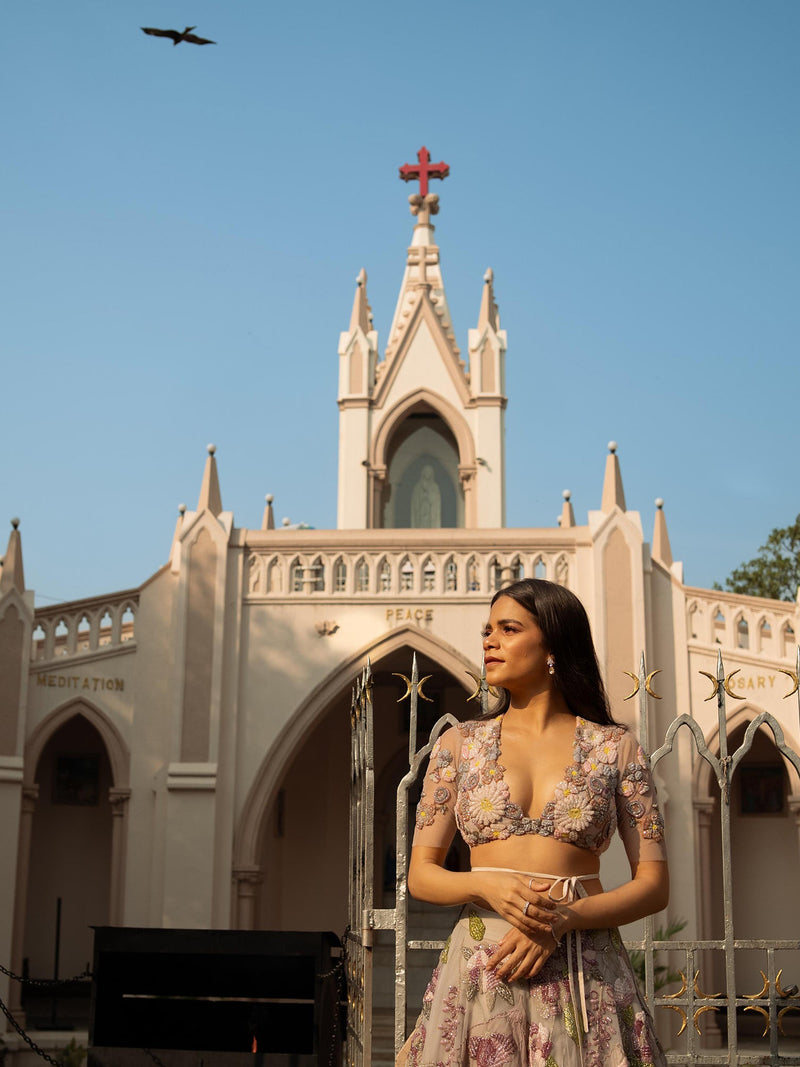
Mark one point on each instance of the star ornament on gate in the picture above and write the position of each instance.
(424, 170)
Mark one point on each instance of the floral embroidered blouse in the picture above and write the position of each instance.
(608, 784)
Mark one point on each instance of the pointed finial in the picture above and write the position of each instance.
(268, 522)
(181, 510)
(661, 546)
(567, 517)
(12, 575)
(613, 493)
(361, 315)
(489, 315)
(210, 497)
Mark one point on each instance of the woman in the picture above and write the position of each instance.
(534, 973)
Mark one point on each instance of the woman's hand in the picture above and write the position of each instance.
(519, 956)
(520, 900)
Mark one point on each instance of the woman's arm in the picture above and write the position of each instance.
(522, 955)
(645, 894)
(504, 892)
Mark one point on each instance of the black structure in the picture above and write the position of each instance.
(220, 997)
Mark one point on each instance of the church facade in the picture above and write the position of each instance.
(164, 749)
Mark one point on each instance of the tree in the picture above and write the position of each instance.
(775, 571)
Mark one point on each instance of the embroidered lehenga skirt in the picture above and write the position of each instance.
(471, 1017)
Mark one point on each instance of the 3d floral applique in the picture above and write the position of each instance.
(491, 1050)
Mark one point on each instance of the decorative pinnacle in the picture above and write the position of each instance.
(612, 447)
(659, 502)
(182, 509)
(15, 523)
(211, 449)
(269, 498)
(567, 494)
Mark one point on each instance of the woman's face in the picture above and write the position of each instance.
(513, 648)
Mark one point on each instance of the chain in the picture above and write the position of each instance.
(45, 983)
(28, 1040)
(337, 972)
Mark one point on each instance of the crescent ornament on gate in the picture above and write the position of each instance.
(714, 681)
(420, 683)
(408, 687)
(635, 689)
(795, 681)
(649, 679)
(727, 685)
(477, 680)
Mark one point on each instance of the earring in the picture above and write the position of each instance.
(551, 665)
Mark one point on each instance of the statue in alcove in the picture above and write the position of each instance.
(426, 501)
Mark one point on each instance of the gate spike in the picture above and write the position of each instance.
(414, 670)
(720, 668)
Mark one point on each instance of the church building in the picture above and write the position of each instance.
(164, 749)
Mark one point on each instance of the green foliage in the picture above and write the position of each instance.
(73, 1054)
(662, 975)
(775, 571)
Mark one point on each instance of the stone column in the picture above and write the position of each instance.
(30, 794)
(247, 881)
(118, 798)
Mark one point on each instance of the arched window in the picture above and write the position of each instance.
(84, 633)
(406, 576)
(62, 634)
(428, 576)
(719, 627)
(742, 633)
(788, 640)
(273, 576)
(106, 625)
(296, 576)
(255, 567)
(340, 576)
(540, 568)
(423, 487)
(562, 571)
(496, 571)
(385, 576)
(318, 571)
(516, 570)
(127, 632)
(362, 576)
(473, 575)
(451, 576)
(765, 635)
(38, 640)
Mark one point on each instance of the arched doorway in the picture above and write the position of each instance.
(764, 809)
(303, 847)
(70, 868)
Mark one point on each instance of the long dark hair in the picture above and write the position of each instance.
(568, 637)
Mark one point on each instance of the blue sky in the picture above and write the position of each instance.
(182, 228)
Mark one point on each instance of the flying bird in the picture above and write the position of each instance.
(176, 36)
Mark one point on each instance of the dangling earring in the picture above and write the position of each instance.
(551, 665)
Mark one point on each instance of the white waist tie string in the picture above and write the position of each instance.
(571, 887)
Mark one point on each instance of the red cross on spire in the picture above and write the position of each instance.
(424, 171)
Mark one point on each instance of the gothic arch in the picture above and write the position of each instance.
(118, 752)
(704, 783)
(420, 399)
(267, 781)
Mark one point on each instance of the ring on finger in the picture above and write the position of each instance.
(525, 909)
(530, 884)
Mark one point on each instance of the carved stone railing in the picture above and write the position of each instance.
(745, 623)
(392, 563)
(80, 627)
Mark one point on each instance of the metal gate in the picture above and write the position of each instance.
(771, 1003)
(358, 936)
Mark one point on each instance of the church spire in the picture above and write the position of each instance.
(488, 315)
(613, 493)
(12, 576)
(268, 521)
(210, 497)
(661, 546)
(361, 317)
(423, 272)
(567, 517)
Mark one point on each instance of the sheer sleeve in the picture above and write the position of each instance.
(641, 826)
(436, 821)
